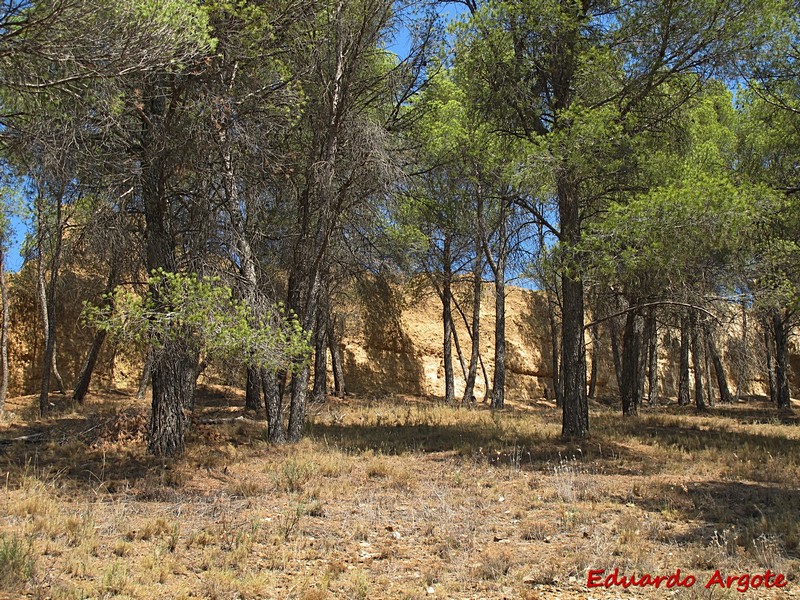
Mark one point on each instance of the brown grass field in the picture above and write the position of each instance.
(395, 498)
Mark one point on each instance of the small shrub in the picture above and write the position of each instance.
(17, 563)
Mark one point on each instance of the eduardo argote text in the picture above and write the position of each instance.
(741, 582)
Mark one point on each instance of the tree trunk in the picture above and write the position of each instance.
(474, 331)
(769, 344)
(615, 353)
(697, 362)
(273, 402)
(337, 363)
(555, 349)
(252, 395)
(575, 416)
(3, 332)
(47, 298)
(683, 364)
(707, 369)
(173, 399)
(781, 336)
(722, 381)
(447, 323)
(174, 370)
(595, 358)
(644, 352)
(320, 388)
(631, 341)
(499, 381)
(85, 377)
(652, 359)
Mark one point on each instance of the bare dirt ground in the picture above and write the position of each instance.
(395, 498)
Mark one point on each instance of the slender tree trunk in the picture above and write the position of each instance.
(47, 297)
(683, 364)
(447, 322)
(781, 336)
(743, 358)
(499, 381)
(652, 359)
(697, 362)
(615, 353)
(555, 350)
(644, 352)
(3, 332)
(631, 340)
(474, 331)
(85, 377)
(595, 359)
(320, 388)
(273, 401)
(337, 363)
(769, 344)
(306, 307)
(707, 368)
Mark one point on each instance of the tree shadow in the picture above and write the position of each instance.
(390, 362)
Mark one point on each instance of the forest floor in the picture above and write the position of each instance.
(395, 498)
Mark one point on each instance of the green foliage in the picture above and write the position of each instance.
(202, 314)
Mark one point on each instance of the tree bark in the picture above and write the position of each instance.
(781, 335)
(683, 363)
(475, 329)
(555, 349)
(631, 342)
(575, 415)
(499, 380)
(252, 394)
(173, 400)
(273, 402)
(697, 362)
(644, 352)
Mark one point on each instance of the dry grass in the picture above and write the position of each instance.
(396, 499)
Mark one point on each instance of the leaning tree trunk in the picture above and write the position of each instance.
(85, 377)
(3, 332)
(697, 362)
(447, 325)
(722, 381)
(683, 363)
(781, 336)
(475, 329)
